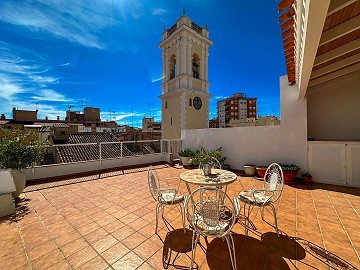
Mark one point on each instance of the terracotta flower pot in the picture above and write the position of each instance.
(289, 177)
(307, 179)
(261, 172)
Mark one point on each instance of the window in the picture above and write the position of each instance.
(171, 121)
(172, 66)
(190, 102)
(165, 104)
(195, 66)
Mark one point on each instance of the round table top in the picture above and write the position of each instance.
(217, 178)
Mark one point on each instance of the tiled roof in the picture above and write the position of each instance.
(61, 125)
(92, 138)
(85, 147)
(45, 129)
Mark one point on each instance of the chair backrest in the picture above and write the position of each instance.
(274, 180)
(153, 181)
(210, 211)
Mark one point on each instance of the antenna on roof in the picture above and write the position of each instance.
(36, 106)
(183, 11)
(132, 116)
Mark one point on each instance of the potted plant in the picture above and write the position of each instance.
(18, 150)
(185, 156)
(307, 177)
(289, 172)
(261, 171)
(206, 158)
(250, 169)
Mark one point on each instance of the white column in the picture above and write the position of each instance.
(183, 56)
(202, 64)
(167, 66)
(164, 66)
(206, 65)
(178, 57)
(189, 58)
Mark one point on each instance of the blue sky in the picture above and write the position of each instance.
(104, 53)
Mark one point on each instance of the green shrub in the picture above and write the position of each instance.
(289, 167)
(205, 156)
(20, 149)
(187, 152)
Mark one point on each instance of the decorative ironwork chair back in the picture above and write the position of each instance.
(154, 183)
(210, 211)
(274, 180)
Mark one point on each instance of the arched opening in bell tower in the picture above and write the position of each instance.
(172, 66)
(195, 66)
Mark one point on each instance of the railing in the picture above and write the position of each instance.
(197, 28)
(172, 30)
(72, 153)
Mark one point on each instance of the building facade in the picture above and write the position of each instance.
(185, 88)
(238, 107)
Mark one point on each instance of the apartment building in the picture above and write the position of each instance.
(237, 107)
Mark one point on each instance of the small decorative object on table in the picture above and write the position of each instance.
(207, 159)
(289, 171)
(307, 178)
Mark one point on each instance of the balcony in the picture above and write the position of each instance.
(107, 221)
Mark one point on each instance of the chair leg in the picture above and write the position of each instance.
(245, 221)
(262, 213)
(157, 217)
(182, 211)
(275, 219)
(230, 242)
(247, 218)
(195, 239)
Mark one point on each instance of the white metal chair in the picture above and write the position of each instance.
(266, 196)
(164, 197)
(211, 213)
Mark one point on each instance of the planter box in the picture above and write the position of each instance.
(7, 205)
(261, 172)
(250, 170)
(185, 161)
(289, 177)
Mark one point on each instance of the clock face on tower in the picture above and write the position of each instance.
(197, 103)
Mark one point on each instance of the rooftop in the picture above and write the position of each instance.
(107, 221)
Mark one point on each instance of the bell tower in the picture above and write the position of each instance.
(185, 88)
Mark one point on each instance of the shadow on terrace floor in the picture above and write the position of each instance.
(267, 253)
(22, 209)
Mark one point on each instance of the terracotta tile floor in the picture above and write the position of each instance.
(108, 222)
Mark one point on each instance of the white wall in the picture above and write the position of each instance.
(334, 109)
(54, 170)
(261, 145)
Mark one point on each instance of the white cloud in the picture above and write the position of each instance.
(220, 97)
(76, 21)
(51, 95)
(158, 79)
(24, 83)
(158, 11)
(9, 90)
